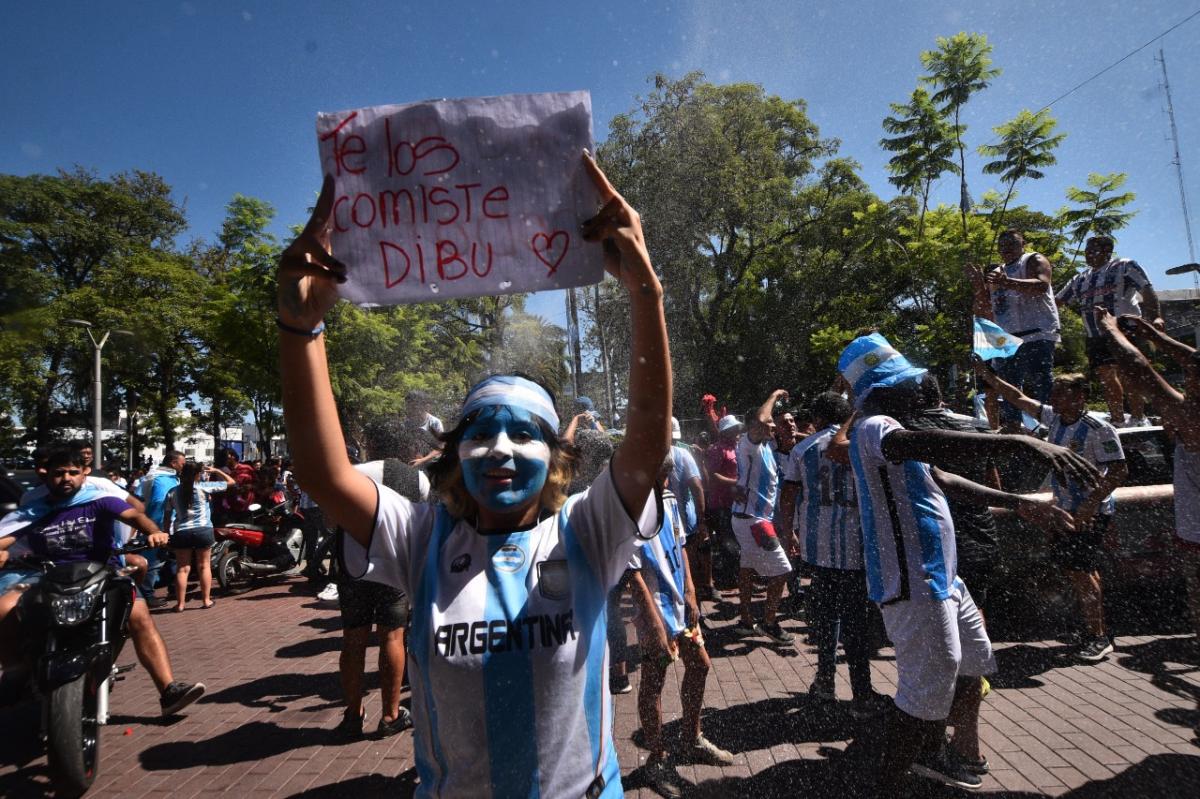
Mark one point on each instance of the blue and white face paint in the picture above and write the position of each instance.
(505, 459)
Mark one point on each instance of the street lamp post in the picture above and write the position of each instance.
(97, 399)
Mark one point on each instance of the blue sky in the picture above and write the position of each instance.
(221, 97)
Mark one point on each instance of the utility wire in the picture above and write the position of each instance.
(1121, 60)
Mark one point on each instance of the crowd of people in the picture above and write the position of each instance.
(494, 556)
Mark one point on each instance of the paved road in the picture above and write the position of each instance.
(1122, 728)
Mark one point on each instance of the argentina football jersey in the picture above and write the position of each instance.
(757, 475)
(907, 533)
(1090, 437)
(660, 561)
(508, 658)
(827, 510)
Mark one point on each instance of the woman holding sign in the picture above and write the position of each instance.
(507, 576)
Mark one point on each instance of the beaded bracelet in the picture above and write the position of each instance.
(299, 331)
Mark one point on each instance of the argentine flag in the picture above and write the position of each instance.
(992, 341)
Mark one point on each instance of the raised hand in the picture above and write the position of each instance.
(1045, 515)
(308, 273)
(1065, 463)
(619, 227)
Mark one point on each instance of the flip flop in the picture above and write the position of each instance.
(209, 605)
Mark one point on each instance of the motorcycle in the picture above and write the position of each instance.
(74, 623)
(269, 543)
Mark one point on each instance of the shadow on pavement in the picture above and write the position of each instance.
(402, 786)
(277, 691)
(770, 722)
(311, 647)
(1018, 665)
(257, 740)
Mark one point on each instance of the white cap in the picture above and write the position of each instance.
(727, 423)
(675, 434)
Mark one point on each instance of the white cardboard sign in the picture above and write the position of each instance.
(461, 198)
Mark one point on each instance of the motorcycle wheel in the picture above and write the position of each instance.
(73, 737)
(228, 573)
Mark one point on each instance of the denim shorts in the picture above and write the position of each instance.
(195, 538)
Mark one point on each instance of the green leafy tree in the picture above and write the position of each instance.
(1101, 209)
(58, 235)
(960, 67)
(1026, 147)
(924, 145)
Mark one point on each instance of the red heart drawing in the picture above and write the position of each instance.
(544, 246)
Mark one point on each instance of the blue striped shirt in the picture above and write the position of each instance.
(757, 475)
(827, 507)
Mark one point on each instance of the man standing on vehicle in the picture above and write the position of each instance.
(1019, 297)
(77, 523)
(1079, 553)
(1114, 284)
(753, 507)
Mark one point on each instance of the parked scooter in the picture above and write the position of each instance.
(74, 621)
(269, 543)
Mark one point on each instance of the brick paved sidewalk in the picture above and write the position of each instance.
(269, 657)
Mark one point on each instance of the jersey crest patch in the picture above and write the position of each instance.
(554, 579)
(509, 558)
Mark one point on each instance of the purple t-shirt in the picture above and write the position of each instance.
(80, 533)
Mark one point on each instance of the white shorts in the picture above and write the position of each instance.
(767, 562)
(936, 643)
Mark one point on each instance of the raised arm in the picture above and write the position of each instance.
(765, 411)
(648, 421)
(944, 448)
(1026, 285)
(214, 470)
(1041, 512)
(307, 289)
(1009, 392)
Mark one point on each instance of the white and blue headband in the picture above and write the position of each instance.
(513, 391)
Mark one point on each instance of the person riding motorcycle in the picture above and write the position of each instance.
(75, 522)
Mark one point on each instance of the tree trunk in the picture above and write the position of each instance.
(42, 413)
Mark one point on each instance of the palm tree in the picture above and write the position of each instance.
(1101, 210)
(1026, 147)
(961, 66)
(924, 141)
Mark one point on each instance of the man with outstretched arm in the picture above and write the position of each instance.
(753, 507)
(942, 648)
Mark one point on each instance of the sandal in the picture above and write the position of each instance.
(211, 602)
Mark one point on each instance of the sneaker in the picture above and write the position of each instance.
(985, 688)
(1095, 650)
(329, 593)
(350, 727)
(978, 766)
(822, 688)
(619, 684)
(946, 768)
(868, 707)
(776, 633)
(747, 630)
(705, 752)
(387, 728)
(179, 695)
(662, 777)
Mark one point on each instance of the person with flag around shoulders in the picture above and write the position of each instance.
(507, 576)
(942, 648)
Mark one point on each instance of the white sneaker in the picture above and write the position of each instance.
(329, 593)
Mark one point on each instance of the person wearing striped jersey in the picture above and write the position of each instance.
(821, 508)
(687, 483)
(942, 648)
(668, 625)
(1119, 286)
(1079, 554)
(1180, 409)
(753, 510)
(507, 576)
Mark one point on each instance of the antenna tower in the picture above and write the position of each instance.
(1178, 162)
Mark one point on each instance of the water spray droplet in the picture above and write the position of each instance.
(641, 359)
(434, 288)
(505, 285)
